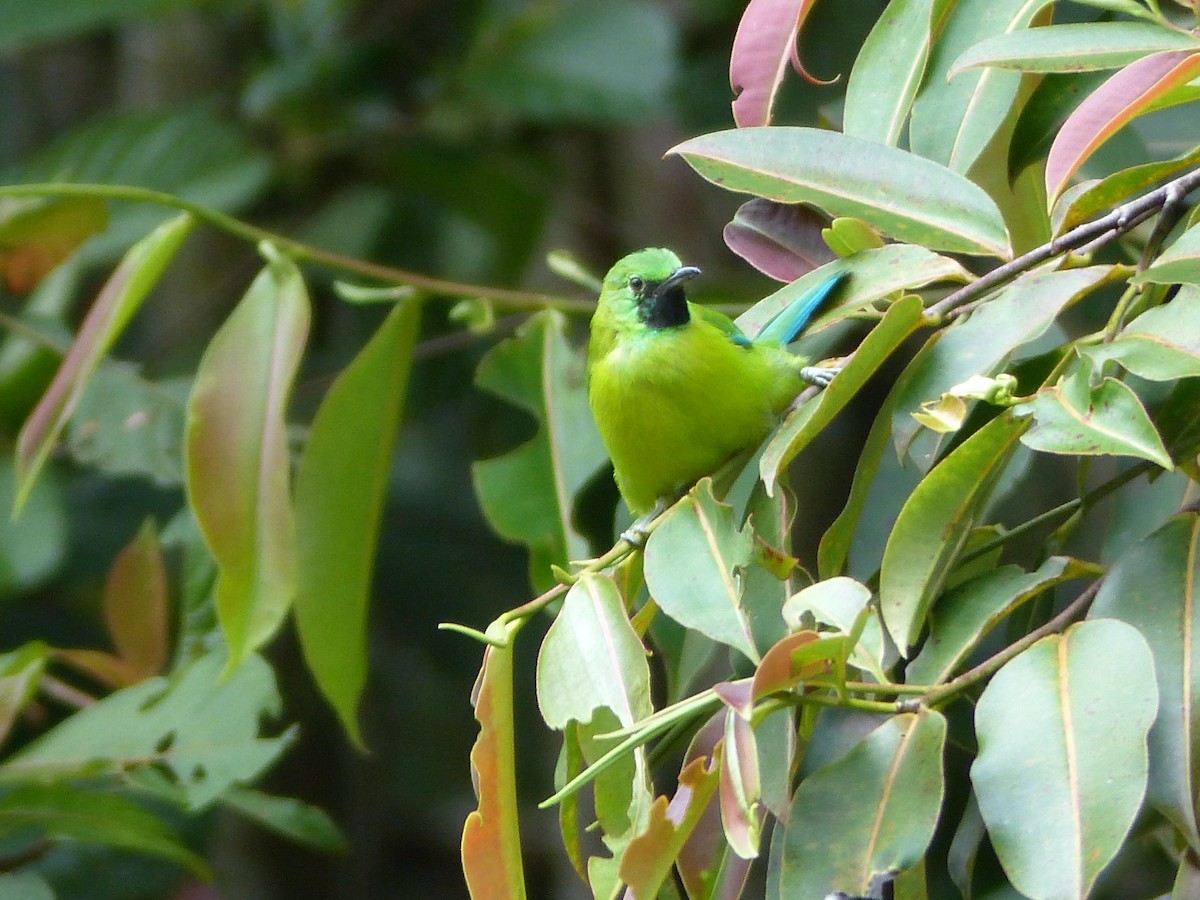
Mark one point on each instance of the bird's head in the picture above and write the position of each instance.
(648, 285)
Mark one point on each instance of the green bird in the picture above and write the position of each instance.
(677, 389)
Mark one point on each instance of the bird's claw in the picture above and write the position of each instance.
(821, 376)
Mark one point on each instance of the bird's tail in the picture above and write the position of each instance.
(791, 320)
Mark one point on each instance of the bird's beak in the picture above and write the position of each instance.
(678, 277)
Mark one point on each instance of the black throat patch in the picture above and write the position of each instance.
(664, 307)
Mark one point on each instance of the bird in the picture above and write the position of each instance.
(676, 388)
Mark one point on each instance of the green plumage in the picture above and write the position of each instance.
(676, 389)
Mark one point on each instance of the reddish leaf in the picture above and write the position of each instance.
(238, 464)
(37, 234)
(741, 790)
(135, 604)
(648, 859)
(491, 841)
(119, 299)
(762, 48)
(782, 240)
(778, 670)
(105, 668)
(1123, 97)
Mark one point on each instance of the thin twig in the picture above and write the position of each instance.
(1109, 227)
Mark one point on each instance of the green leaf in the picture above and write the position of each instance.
(237, 462)
(954, 118)
(1153, 587)
(962, 618)
(25, 885)
(876, 274)
(910, 198)
(202, 727)
(1085, 201)
(1162, 344)
(293, 819)
(32, 549)
(528, 495)
(1061, 770)
(1178, 263)
(64, 812)
(839, 602)
(935, 522)
(607, 62)
(888, 71)
(125, 425)
(491, 839)
(28, 364)
(341, 484)
(1042, 116)
(691, 565)
(20, 675)
(982, 345)
(1074, 47)
(592, 659)
(1076, 419)
(120, 298)
(895, 776)
(805, 423)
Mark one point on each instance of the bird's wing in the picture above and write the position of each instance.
(722, 323)
(791, 320)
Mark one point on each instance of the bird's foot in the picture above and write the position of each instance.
(821, 376)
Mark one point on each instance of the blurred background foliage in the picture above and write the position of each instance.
(459, 139)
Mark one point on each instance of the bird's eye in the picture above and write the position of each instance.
(636, 283)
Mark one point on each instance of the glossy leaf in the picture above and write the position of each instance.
(741, 787)
(136, 604)
(341, 485)
(1153, 587)
(36, 234)
(1076, 419)
(592, 659)
(1102, 195)
(20, 674)
(766, 584)
(1162, 344)
(1061, 769)
(888, 71)
(780, 240)
(901, 194)
(763, 47)
(691, 564)
(1114, 104)
(237, 462)
(839, 602)
(933, 525)
(901, 319)
(954, 119)
(1074, 47)
(968, 612)
(491, 839)
(1178, 263)
(200, 726)
(64, 812)
(529, 493)
(120, 298)
(1042, 117)
(650, 857)
(982, 345)
(895, 776)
